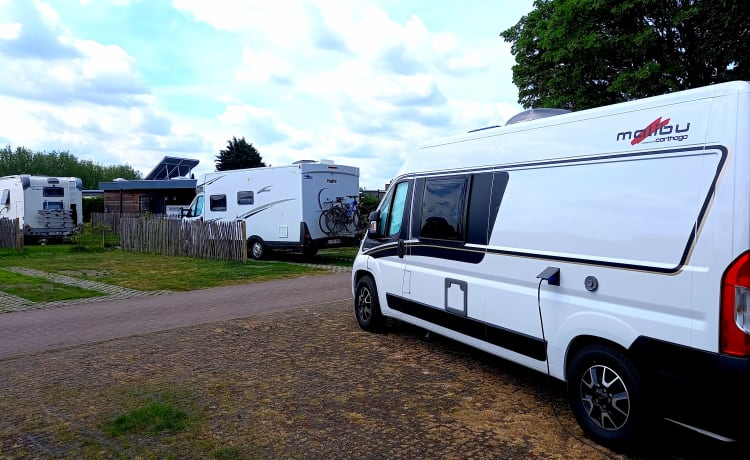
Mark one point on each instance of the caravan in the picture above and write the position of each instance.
(302, 207)
(46, 206)
(608, 248)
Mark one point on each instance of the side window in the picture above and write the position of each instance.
(443, 206)
(397, 210)
(245, 197)
(5, 199)
(218, 202)
(391, 213)
(198, 208)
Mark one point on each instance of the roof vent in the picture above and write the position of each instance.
(535, 114)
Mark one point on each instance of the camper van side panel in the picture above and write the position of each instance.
(613, 226)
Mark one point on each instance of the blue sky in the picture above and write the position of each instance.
(358, 82)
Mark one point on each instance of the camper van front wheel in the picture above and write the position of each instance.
(367, 306)
(257, 249)
(607, 395)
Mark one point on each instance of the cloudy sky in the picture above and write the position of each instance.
(359, 82)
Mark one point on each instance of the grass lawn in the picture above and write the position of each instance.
(41, 290)
(148, 272)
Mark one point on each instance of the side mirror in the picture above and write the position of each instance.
(372, 229)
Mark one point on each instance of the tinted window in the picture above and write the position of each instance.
(53, 191)
(245, 197)
(443, 208)
(218, 203)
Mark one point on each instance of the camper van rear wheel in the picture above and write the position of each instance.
(257, 249)
(366, 305)
(607, 396)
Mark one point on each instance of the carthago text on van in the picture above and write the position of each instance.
(609, 248)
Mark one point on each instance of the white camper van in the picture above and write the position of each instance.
(46, 206)
(609, 248)
(302, 207)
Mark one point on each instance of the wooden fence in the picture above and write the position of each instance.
(110, 219)
(174, 237)
(10, 235)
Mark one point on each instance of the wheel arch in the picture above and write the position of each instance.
(582, 341)
(588, 328)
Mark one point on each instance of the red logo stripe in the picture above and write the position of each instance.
(649, 130)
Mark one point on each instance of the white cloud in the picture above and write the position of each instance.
(263, 66)
(358, 82)
(10, 31)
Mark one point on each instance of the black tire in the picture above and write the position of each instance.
(309, 252)
(608, 397)
(367, 306)
(257, 249)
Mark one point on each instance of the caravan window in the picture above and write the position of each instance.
(52, 205)
(245, 197)
(5, 200)
(443, 208)
(218, 202)
(53, 192)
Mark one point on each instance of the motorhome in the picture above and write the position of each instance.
(608, 248)
(47, 207)
(302, 207)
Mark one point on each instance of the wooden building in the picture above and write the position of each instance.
(165, 190)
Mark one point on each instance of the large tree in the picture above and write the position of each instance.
(24, 161)
(238, 155)
(578, 54)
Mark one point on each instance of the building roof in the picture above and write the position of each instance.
(148, 184)
(172, 167)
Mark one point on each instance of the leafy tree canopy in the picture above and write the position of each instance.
(578, 54)
(238, 155)
(24, 161)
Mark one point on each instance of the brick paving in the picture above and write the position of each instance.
(10, 303)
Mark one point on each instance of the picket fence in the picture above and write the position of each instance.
(10, 235)
(174, 237)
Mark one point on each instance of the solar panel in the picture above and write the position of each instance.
(172, 167)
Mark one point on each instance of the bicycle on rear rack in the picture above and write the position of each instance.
(339, 216)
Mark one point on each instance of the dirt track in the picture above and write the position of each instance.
(300, 383)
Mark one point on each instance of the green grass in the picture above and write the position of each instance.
(147, 272)
(154, 417)
(41, 290)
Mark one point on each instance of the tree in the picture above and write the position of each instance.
(24, 161)
(238, 155)
(578, 54)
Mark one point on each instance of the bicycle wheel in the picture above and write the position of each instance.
(325, 222)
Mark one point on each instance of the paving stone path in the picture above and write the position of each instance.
(9, 303)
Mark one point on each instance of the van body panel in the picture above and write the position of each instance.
(637, 210)
(281, 203)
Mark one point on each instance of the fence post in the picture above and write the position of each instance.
(19, 234)
(244, 241)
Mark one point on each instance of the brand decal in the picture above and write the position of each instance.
(660, 129)
(267, 188)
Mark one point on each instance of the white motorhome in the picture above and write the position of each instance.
(302, 207)
(608, 248)
(46, 206)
